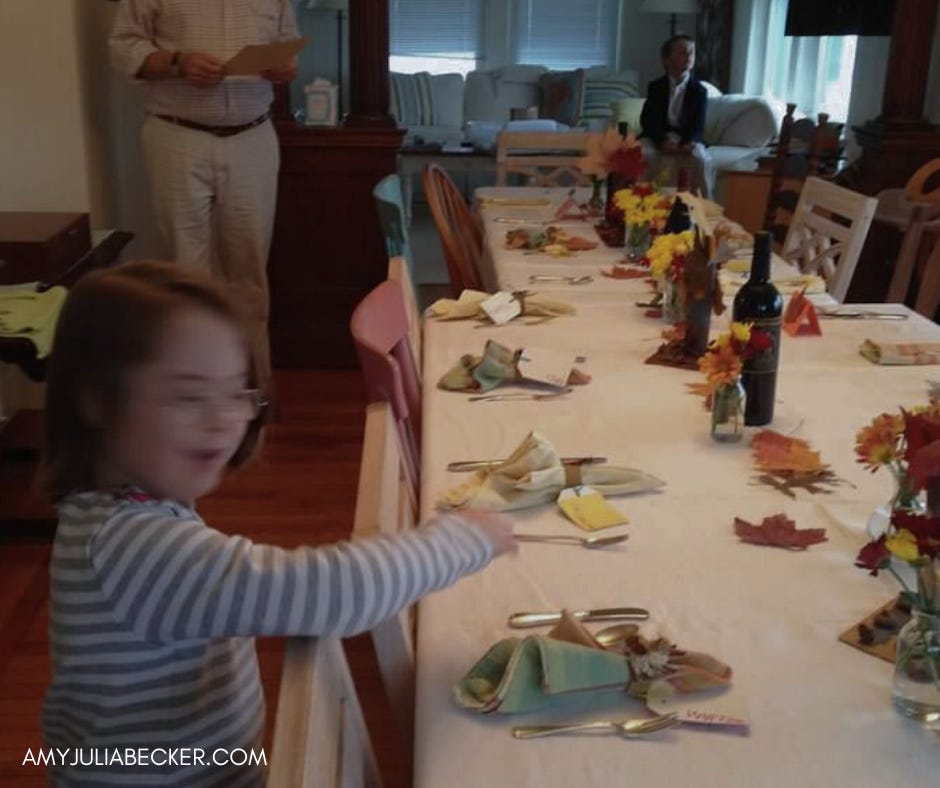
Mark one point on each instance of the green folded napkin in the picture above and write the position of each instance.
(529, 674)
(496, 367)
(533, 474)
(26, 314)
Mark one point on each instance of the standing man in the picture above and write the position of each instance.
(210, 148)
(673, 117)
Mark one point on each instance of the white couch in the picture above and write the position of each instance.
(452, 110)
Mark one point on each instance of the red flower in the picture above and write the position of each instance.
(873, 556)
(923, 464)
(759, 342)
(628, 162)
(920, 429)
(926, 531)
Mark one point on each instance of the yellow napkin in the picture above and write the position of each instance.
(468, 306)
(26, 314)
(533, 475)
(901, 353)
(589, 509)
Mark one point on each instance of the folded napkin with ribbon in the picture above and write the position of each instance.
(471, 305)
(901, 353)
(499, 366)
(26, 314)
(529, 674)
(534, 475)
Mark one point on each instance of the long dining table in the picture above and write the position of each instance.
(819, 711)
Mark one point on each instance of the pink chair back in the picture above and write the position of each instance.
(379, 327)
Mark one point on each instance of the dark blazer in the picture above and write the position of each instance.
(654, 120)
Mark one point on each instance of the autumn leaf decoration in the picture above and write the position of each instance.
(786, 464)
(778, 531)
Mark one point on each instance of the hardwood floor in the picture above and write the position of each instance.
(300, 490)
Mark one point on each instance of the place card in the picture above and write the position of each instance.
(800, 318)
(587, 508)
(545, 366)
(720, 707)
(501, 308)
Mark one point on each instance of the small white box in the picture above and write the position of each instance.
(321, 100)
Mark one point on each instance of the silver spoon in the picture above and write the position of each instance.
(571, 280)
(608, 636)
(592, 542)
(627, 728)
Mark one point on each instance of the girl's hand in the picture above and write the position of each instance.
(497, 527)
(200, 69)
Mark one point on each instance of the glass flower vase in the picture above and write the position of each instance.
(637, 241)
(916, 685)
(595, 204)
(905, 498)
(728, 412)
(673, 304)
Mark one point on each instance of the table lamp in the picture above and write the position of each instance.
(340, 7)
(671, 7)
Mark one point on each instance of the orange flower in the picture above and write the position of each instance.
(880, 442)
(720, 365)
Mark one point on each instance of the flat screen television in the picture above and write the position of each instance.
(839, 17)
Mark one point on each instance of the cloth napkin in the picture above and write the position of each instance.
(524, 675)
(533, 475)
(497, 366)
(26, 314)
(901, 353)
(809, 283)
(468, 306)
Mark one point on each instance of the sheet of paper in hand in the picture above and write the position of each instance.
(545, 366)
(255, 58)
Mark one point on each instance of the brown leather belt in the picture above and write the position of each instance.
(218, 131)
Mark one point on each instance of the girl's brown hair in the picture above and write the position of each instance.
(111, 321)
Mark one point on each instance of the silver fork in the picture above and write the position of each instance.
(591, 542)
(626, 728)
(571, 280)
(518, 396)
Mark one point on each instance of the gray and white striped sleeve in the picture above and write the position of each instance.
(171, 578)
(132, 38)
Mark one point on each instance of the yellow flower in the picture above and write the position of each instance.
(879, 443)
(903, 544)
(741, 332)
(720, 365)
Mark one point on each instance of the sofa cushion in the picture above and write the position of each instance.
(490, 95)
(562, 94)
(425, 99)
(603, 87)
(738, 119)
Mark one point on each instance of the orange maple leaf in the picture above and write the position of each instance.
(776, 452)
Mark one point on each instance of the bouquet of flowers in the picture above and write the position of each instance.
(643, 206)
(724, 359)
(611, 154)
(666, 256)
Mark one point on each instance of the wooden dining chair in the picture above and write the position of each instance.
(387, 503)
(320, 735)
(545, 158)
(915, 211)
(379, 327)
(460, 232)
(390, 207)
(398, 271)
(827, 233)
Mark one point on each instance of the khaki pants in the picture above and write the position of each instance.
(698, 161)
(214, 200)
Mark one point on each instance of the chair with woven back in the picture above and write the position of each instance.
(827, 233)
(320, 735)
(379, 327)
(545, 158)
(460, 232)
(915, 211)
(387, 503)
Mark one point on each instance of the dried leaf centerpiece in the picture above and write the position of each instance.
(778, 530)
(787, 463)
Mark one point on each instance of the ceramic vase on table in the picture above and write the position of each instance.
(728, 412)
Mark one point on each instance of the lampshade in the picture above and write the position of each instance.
(671, 6)
(328, 5)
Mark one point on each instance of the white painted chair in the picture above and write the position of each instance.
(827, 233)
(387, 503)
(546, 158)
(320, 736)
(398, 272)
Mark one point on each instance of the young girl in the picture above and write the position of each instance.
(151, 396)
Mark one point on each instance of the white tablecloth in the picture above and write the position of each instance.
(820, 711)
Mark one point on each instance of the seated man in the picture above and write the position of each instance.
(673, 117)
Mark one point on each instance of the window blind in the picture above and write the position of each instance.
(565, 34)
(446, 29)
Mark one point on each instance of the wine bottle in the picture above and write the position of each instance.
(759, 303)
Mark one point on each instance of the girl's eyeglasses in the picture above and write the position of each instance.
(241, 405)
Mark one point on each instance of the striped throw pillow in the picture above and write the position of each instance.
(600, 91)
(410, 99)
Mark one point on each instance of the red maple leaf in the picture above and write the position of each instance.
(778, 531)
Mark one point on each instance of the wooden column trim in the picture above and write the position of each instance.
(368, 64)
(909, 61)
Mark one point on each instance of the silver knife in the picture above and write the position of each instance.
(863, 315)
(523, 620)
(476, 465)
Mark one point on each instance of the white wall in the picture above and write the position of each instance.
(643, 34)
(42, 146)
